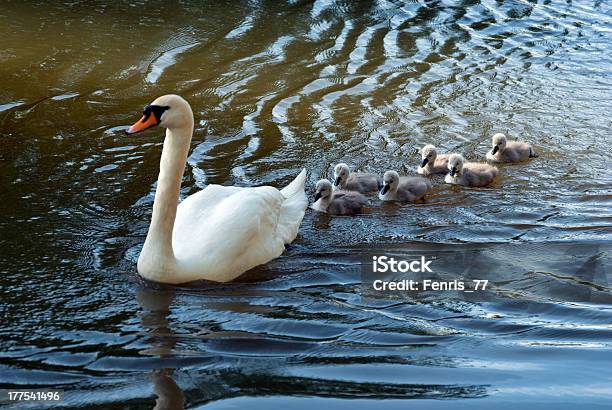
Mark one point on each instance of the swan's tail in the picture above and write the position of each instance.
(293, 208)
(296, 186)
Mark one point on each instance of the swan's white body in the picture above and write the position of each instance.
(220, 232)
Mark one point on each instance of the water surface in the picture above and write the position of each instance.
(277, 86)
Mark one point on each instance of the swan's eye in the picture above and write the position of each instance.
(156, 110)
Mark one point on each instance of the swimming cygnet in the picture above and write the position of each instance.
(355, 181)
(337, 202)
(405, 189)
(509, 151)
(472, 174)
(432, 163)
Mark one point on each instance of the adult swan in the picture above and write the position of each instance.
(220, 232)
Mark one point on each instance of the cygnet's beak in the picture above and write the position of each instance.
(337, 181)
(425, 161)
(317, 196)
(453, 171)
(385, 189)
(495, 149)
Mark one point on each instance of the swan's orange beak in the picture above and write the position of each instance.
(147, 121)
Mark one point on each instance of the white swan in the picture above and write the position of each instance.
(220, 232)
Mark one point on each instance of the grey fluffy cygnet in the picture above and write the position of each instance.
(355, 181)
(431, 162)
(404, 189)
(337, 202)
(509, 151)
(471, 174)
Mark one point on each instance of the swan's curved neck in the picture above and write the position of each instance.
(158, 244)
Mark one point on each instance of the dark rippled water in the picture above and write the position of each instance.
(281, 85)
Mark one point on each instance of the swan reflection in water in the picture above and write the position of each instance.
(259, 377)
(155, 306)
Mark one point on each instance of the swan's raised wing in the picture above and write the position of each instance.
(293, 208)
(221, 232)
